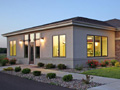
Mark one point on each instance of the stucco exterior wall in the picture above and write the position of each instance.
(46, 47)
(80, 44)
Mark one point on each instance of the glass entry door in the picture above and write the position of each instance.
(32, 48)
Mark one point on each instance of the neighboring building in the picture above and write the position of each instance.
(72, 42)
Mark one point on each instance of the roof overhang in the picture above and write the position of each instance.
(57, 25)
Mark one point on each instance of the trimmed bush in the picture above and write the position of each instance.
(113, 62)
(67, 78)
(107, 62)
(4, 61)
(26, 71)
(51, 75)
(36, 73)
(12, 61)
(50, 65)
(41, 64)
(92, 63)
(17, 69)
(61, 66)
(8, 69)
(79, 67)
(117, 64)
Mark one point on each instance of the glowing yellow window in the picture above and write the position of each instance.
(62, 45)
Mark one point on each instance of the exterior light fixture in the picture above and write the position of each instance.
(20, 42)
(42, 39)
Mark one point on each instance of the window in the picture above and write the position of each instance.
(90, 46)
(32, 37)
(59, 46)
(26, 46)
(55, 46)
(104, 46)
(37, 45)
(12, 48)
(62, 46)
(96, 46)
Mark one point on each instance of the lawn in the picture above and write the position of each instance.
(111, 72)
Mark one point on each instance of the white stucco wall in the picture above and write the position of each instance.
(46, 47)
(80, 44)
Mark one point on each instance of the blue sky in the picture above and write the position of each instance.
(20, 14)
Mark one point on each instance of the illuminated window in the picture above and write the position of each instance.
(62, 45)
(55, 46)
(59, 46)
(26, 46)
(104, 46)
(96, 46)
(12, 48)
(90, 46)
(32, 37)
(37, 45)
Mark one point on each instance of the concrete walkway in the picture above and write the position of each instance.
(110, 83)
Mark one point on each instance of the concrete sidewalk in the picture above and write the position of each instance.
(110, 83)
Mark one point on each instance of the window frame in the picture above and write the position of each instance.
(28, 44)
(94, 46)
(35, 45)
(12, 48)
(59, 46)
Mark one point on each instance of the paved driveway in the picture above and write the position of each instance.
(9, 82)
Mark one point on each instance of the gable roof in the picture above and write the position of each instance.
(114, 22)
(66, 22)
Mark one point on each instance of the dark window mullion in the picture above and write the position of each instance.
(101, 45)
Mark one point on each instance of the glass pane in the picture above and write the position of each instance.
(62, 45)
(55, 46)
(11, 48)
(90, 46)
(26, 49)
(97, 46)
(37, 35)
(104, 46)
(14, 48)
(26, 37)
(37, 48)
(32, 37)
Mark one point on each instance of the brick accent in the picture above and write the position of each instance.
(117, 46)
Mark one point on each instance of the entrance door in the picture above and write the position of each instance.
(31, 53)
(32, 48)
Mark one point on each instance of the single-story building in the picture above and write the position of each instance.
(71, 42)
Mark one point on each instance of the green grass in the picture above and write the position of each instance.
(110, 72)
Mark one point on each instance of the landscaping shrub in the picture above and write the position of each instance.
(36, 73)
(67, 78)
(17, 69)
(117, 64)
(40, 64)
(50, 65)
(26, 71)
(107, 62)
(51, 75)
(8, 69)
(12, 61)
(92, 63)
(4, 61)
(79, 67)
(61, 66)
(113, 62)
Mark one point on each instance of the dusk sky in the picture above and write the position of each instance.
(20, 14)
